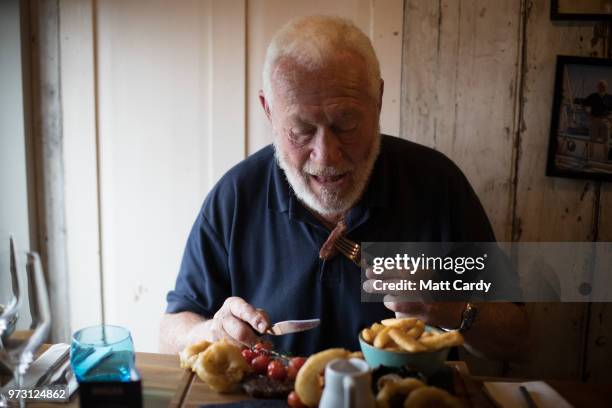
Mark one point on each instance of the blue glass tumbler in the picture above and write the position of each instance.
(102, 353)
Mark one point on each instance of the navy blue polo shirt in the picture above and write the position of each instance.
(252, 238)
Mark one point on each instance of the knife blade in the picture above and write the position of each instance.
(292, 326)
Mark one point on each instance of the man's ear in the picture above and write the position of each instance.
(382, 89)
(264, 104)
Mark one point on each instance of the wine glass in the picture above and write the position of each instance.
(10, 301)
(19, 355)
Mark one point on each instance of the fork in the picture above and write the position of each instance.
(350, 249)
(344, 245)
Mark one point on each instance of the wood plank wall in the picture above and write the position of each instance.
(477, 84)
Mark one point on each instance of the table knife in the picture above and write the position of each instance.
(44, 379)
(292, 326)
(528, 399)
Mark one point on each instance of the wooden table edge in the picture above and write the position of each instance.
(182, 389)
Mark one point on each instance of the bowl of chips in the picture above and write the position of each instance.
(407, 342)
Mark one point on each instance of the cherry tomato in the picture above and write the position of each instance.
(248, 355)
(294, 401)
(294, 366)
(260, 364)
(291, 372)
(297, 362)
(276, 370)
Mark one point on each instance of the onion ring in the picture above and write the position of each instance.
(392, 388)
(221, 366)
(307, 384)
(189, 355)
(431, 397)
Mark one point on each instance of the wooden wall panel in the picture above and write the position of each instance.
(598, 359)
(459, 79)
(386, 29)
(478, 85)
(550, 209)
(604, 227)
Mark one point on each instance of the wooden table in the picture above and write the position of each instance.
(467, 387)
(165, 384)
(576, 393)
(198, 392)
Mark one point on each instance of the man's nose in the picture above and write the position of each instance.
(326, 149)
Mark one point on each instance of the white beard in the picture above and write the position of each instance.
(331, 202)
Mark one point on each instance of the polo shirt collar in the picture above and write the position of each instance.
(279, 190)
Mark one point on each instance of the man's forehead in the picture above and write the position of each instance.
(336, 108)
(302, 91)
(290, 76)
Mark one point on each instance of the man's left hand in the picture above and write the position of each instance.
(441, 314)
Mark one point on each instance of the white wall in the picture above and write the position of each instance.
(160, 121)
(160, 99)
(13, 180)
(80, 162)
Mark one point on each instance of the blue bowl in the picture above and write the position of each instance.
(427, 363)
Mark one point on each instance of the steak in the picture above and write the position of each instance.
(260, 386)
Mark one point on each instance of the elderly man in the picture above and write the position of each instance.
(600, 104)
(252, 257)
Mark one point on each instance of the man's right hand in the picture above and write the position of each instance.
(236, 321)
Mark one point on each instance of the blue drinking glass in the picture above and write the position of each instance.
(102, 353)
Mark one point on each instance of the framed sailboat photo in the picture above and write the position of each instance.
(581, 9)
(580, 143)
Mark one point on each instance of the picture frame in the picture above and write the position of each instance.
(581, 10)
(580, 142)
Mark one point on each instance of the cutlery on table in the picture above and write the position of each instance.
(527, 396)
(292, 326)
(61, 360)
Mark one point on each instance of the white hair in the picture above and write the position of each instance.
(312, 41)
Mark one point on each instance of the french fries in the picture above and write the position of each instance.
(405, 323)
(382, 338)
(443, 340)
(406, 342)
(408, 335)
